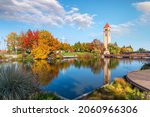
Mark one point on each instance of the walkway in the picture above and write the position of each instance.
(140, 79)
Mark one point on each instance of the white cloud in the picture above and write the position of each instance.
(126, 28)
(47, 12)
(121, 29)
(145, 8)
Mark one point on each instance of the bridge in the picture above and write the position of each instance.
(129, 55)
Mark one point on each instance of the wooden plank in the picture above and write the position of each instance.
(141, 79)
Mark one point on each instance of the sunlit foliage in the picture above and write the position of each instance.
(12, 42)
(47, 44)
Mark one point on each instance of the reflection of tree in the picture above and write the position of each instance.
(127, 61)
(145, 66)
(94, 64)
(77, 63)
(97, 65)
(113, 63)
(64, 65)
(44, 72)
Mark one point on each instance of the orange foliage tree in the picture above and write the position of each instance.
(28, 40)
(47, 44)
(66, 47)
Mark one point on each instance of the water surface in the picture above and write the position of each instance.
(71, 78)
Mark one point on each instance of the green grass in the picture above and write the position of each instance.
(44, 96)
(74, 53)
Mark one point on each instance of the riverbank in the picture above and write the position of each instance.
(117, 90)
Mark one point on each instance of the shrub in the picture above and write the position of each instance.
(14, 85)
(44, 96)
(28, 58)
(146, 66)
(85, 55)
(120, 90)
(120, 81)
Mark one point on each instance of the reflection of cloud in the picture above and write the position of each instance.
(63, 71)
(45, 12)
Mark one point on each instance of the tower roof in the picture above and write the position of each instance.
(106, 25)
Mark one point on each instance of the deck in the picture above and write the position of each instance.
(140, 79)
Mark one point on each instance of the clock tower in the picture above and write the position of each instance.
(107, 38)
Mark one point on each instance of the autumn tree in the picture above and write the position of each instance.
(47, 45)
(77, 47)
(28, 40)
(12, 42)
(113, 48)
(66, 47)
(97, 46)
(127, 49)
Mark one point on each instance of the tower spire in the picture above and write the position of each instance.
(107, 37)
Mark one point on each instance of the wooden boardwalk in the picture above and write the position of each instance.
(140, 79)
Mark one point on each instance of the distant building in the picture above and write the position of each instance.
(107, 37)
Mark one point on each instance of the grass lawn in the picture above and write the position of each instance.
(74, 53)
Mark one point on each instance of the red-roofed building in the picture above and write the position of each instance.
(107, 25)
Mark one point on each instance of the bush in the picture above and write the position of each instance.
(14, 85)
(1, 57)
(118, 90)
(146, 66)
(85, 55)
(123, 90)
(28, 58)
(44, 96)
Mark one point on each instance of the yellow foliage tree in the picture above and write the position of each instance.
(47, 44)
(12, 42)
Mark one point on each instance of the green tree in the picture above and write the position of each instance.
(141, 50)
(97, 47)
(127, 49)
(66, 47)
(77, 47)
(114, 49)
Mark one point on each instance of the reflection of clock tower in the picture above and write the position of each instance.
(107, 38)
(107, 71)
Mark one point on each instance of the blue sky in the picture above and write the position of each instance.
(79, 20)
